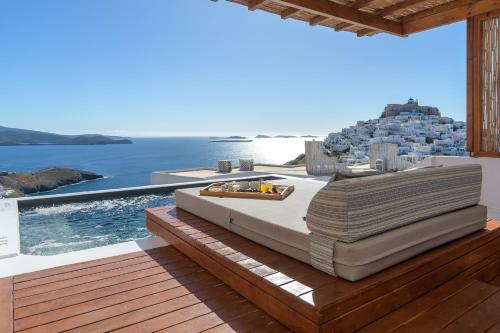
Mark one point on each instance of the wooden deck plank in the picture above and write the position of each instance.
(256, 320)
(329, 302)
(79, 266)
(90, 270)
(385, 304)
(106, 301)
(179, 297)
(495, 328)
(79, 280)
(68, 301)
(6, 304)
(438, 317)
(148, 306)
(73, 290)
(212, 319)
(495, 281)
(479, 318)
(404, 314)
(185, 314)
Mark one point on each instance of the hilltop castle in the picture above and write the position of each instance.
(392, 110)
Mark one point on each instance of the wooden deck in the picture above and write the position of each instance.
(156, 290)
(438, 290)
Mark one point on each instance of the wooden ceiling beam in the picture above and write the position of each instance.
(342, 26)
(447, 13)
(289, 12)
(365, 32)
(337, 11)
(397, 7)
(318, 19)
(254, 4)
(361, 3)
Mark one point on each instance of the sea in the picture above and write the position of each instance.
(131, 165)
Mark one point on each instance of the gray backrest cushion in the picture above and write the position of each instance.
(353, 209)
(341, 176)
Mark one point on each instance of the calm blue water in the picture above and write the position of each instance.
(131, 165)
(76, 226)
(70, 227)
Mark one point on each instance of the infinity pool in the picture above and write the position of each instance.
(49, 230)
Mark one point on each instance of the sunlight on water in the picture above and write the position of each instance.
(70, 227)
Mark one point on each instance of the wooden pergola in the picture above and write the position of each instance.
(405, 17)
(369, 17)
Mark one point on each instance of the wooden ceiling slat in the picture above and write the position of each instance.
(361, 3)
(365, 32)
(289, 12)
(447, 13)
(398, 6)
(318, 19)
(345, 13)
(342, 26)
(254, 4)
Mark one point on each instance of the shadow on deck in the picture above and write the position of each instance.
(155, 290)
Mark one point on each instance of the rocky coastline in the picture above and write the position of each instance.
(13, 185)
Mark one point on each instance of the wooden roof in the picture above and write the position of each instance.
(369, 17)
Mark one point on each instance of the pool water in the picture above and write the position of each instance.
(49, 230)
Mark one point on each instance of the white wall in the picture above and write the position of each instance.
(490, 195)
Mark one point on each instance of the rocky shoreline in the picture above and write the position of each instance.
(13, 185)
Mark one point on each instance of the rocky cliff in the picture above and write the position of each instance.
(20, 184)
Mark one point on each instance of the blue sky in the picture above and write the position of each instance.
(195, 67)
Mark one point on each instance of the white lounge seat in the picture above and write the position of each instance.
(280, 226)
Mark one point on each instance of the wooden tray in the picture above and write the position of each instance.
(248, 195)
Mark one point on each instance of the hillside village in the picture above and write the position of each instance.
(418, 131)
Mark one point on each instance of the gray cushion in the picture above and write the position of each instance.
(354, 261)
(353, 209)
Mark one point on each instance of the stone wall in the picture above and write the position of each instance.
(389, 153)
(320, 164)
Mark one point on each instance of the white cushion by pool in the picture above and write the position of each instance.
(268, 220)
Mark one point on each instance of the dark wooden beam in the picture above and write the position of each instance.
(398, 6)
(289, 12)
(361, 3)
(254, 4)
(318, 19)
(447, 13)
(365, 32)
(342, 26)
(345, 13)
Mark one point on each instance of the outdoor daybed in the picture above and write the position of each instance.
(353, 228)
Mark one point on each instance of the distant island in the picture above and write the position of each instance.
(232, 140)
(262, 136)
(13, 185)
(17, 137)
